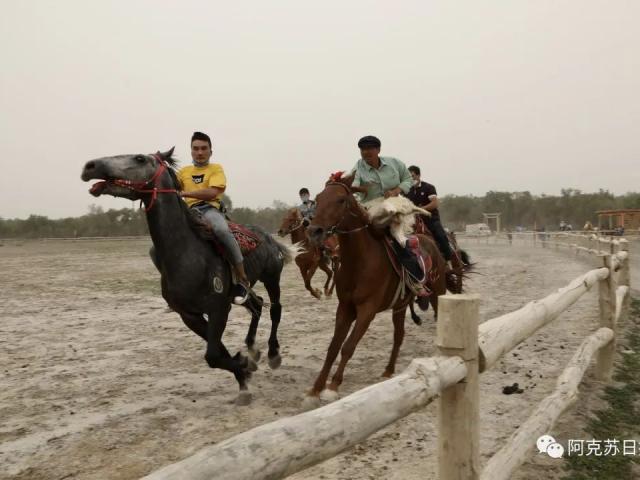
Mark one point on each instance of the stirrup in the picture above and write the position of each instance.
(240, 294)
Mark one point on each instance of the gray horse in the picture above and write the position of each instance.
(195, 278)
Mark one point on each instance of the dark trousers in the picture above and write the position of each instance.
(440, 236)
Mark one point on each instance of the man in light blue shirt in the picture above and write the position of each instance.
(383, 176)
(388, 177)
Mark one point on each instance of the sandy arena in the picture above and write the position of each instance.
(99, 382)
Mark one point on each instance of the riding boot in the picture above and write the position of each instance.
(240, 289)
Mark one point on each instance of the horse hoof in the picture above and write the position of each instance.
(387, 374)
(244, 399)
(275, 361)
(327, 395)
(310, 402)
(417, 320)
(255, 354)
(251, 365)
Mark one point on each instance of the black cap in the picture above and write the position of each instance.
(369, 142)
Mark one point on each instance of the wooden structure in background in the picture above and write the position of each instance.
(628, 218)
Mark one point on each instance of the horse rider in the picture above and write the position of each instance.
(383, 177)
(202, 185)
(424, 195)
(307, 208)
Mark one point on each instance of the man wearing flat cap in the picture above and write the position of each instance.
(383, 176)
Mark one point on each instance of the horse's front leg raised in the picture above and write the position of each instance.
(345, 315)
(217, 356)
(196, 322)
(308, 266)
(365, 315)
(324, 266)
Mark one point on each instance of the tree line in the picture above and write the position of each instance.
(534, 211)
(516, 208)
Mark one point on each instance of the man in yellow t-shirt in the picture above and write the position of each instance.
(202, 185)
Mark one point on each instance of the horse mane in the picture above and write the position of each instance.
(194, 218)
(171, 161)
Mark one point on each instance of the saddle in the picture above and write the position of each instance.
(414, 269)
(247, 240)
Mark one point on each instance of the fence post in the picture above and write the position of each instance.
(459, 410)
(624, 275)
(607, 302)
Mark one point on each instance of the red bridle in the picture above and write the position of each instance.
(142, 187)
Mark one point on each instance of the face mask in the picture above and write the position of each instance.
(304, 198)
(416, 183)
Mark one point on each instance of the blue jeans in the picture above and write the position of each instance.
(218, 223)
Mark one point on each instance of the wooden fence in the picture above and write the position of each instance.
(466, 349)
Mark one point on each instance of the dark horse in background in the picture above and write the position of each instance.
(195, 278)
(366, 282)
(460, 262)
(313, 257)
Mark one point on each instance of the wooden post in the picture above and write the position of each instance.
(607, 302)
(624, 276)
(459, 437)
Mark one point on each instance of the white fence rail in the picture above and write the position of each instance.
(289, 445)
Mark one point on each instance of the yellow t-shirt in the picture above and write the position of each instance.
(193, 177)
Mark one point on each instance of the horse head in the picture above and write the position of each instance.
(132, 176)
(292, 221)
(337, 211)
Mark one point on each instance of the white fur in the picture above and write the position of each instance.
(397, 213)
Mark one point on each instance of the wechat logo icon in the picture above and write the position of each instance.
(547, 444)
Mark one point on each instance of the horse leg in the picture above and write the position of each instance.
(217, 355)
(153, 253)
(434, 303)
(196, 323)
(324, 266)
(256, 311)
(414, 316)
(307, 280)
(335, 264)
(275, 312)
(365, 315)
(345, 316)
(398, 336)
(305, 264)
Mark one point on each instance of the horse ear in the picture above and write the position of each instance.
(168, 154)
(340, 177)
(348, 180)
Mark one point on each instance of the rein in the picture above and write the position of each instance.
(142, 187)
(334, 229)
(291, 230)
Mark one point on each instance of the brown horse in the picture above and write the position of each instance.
(312, 258)
(366, 282)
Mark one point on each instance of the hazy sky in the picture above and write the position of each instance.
(494, 95)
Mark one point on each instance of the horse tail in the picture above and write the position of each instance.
(288, 252)
(466, 259)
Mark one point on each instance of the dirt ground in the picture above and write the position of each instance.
(97, 381)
